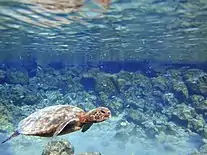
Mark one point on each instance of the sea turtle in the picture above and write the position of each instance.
(58, 120)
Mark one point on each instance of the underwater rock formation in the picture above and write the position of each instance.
(164, 104)
(90, 153)
(17, 77)
(180, 90)
(2, 75)
(63, 147)
(58, 147)
(202, 150)
(196, 81)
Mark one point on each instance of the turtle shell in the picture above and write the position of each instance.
(45, 121)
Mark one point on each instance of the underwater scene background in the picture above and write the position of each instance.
(146, 60)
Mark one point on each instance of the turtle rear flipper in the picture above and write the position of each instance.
(16, 133)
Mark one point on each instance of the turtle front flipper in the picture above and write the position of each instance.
(16, 133)
(61, 127)
(86, 127)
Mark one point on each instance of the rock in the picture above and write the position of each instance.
(125, 78)
(196, 124)
(138, 103)
(173, 74)
(169, 99)
(5, 116)
(150, 129)
(202, 106)
(142, 82)
(202, 150)
(181, 114)
(17, 94)
(63, 147)
(17, 77)
(116, 105)
(180, 90)
(196, 81)
(199, 103)
(105, 84)
(88, 81)
(136, 116)
(122, 136)
(2, 75)
(90, 153)
(31, 98)
(195, 100)
(204, 132)
(160, 83)
(58, 147)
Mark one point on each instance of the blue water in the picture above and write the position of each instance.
(145, 60)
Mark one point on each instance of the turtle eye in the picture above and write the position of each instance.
(102, 111)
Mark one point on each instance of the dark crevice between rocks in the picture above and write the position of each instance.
(178, 121)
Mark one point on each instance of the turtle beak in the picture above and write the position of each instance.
(108, 114)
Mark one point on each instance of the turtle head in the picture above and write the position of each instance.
(97, 115)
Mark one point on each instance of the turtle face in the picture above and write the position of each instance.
(99, 114)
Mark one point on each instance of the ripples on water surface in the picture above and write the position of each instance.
(123, 30)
